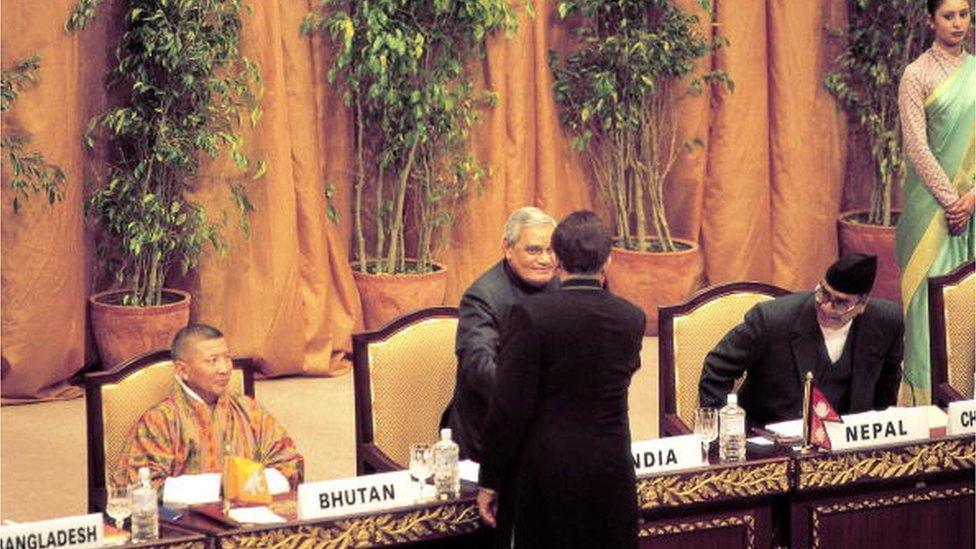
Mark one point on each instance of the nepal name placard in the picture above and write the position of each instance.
(894, 425)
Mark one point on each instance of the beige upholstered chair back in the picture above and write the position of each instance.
(952, 329)
(124, 402)
(405, 377)
(116, 400)
(690, 330)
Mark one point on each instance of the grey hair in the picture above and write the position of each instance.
(526, 216)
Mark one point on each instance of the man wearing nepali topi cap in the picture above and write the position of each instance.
(851, 343)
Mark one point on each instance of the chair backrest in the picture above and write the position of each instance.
(688, 331)
(114, 401)
(404, 377)
(951, 329)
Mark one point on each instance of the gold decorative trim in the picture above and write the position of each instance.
(365, 531)
(681, 489)
(710, 524)
(183, 545)
(847, 468)
(887, 501)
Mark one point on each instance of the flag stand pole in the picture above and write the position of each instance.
(807, 390)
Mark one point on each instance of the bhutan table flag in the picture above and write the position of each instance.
(244, 481)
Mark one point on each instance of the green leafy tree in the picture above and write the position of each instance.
(400, 65)
(185, 89)
(30, 173)
(632, 62)
(882, 37)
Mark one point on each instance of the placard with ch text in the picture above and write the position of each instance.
(961, 417)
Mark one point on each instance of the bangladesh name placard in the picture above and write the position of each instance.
(76, 532)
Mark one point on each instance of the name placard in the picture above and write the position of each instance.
(962, 417)
(667, 454)
(347, 496)
(879, 428)
(76, 532)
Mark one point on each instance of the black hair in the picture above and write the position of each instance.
(933, 5)
(190, 334)
(582, 243)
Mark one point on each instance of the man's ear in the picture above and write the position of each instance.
(181, 368)
(506, 249)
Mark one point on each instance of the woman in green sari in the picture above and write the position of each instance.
(935, 233)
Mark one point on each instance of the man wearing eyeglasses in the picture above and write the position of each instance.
(851, 343)
(528, 267)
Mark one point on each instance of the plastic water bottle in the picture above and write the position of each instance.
(447, 481)
(145, 511)
(732, 431)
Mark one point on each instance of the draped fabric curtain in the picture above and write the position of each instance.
(760, 196)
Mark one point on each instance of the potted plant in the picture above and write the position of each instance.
(882, 37)
(617, 90)
(30, 173)
(182, 85)
(400, 65)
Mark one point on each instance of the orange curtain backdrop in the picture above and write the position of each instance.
(760, 196)
(43, 276)
(807, 140)
(284, 294)
(736, 219)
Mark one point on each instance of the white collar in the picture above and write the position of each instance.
(836, 332)
(190, 392)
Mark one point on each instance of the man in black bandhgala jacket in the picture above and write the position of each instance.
(556, 468)
(528, 267)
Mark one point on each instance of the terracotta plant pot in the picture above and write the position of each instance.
(857, 236)
(123, 332)
(652, 279)
(385, 296)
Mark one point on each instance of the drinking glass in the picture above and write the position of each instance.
(119, 504)
(421, 466)
(706, 426)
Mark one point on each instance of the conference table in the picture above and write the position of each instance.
(917, 494)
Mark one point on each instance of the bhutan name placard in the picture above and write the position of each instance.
(76, 532)
(349, 496)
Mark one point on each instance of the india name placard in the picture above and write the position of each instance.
(76, 532)
(348, 496)
(667, 454)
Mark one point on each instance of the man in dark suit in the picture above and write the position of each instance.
(852, 344)
(527, 268)
(556, 467)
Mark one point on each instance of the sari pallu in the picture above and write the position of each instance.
(922, 242)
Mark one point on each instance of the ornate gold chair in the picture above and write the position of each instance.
(951, 334)
(687, 332)
(404, 376)
(115, 399)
